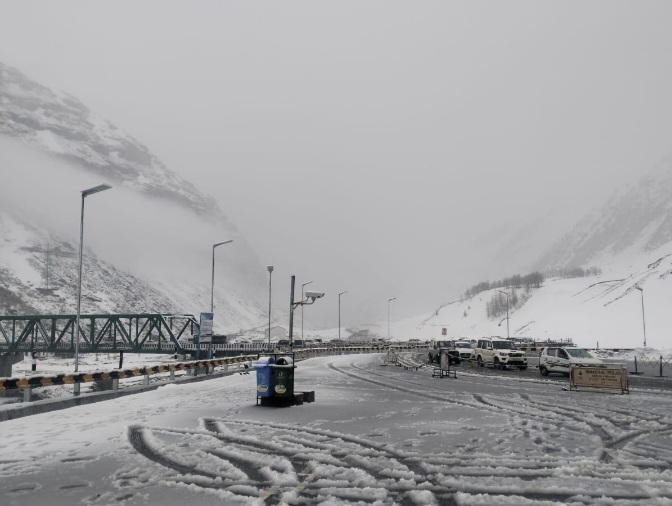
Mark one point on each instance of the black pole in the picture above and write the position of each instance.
(121, 358)
(291, 316)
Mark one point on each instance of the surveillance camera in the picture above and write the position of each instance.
(314, 295)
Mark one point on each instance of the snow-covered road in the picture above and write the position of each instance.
(375, 435)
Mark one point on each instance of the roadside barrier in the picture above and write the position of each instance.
(604, 378)
(652, 364)
(27, 383)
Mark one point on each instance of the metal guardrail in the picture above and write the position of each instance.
(70, 379)
(29, 382)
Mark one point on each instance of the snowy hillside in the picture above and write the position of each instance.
(604, 311)
(640, 215)
(61, 125)
(38, 275)
(148, 240)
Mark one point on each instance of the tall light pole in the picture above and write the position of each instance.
(270, 275)
(339, 315)
(303, 296)
(388, 317)
(212, 285)
(641, 291)
(85, 193)
(507, 313)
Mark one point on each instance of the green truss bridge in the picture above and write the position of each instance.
(99, 333)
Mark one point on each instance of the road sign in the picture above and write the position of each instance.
(205, 330)
(444, 331)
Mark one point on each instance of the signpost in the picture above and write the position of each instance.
(204, 334)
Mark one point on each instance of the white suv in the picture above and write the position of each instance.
(499, 353)
(559, 359)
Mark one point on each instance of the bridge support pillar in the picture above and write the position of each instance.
(6, 363)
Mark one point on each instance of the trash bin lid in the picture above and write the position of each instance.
(285, 361)
(264, 361)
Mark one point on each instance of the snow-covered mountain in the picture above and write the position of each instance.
(155, 257)
(604, 310)
(628, 241)
(634, 219)
(59, 124)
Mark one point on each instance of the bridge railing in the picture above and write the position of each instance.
(97, 332)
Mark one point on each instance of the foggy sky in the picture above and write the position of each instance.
(375, 147)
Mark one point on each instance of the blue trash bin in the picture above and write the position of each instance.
(265, 384)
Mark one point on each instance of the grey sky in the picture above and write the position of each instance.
(368, 146)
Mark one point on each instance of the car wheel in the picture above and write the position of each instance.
(479, 361)
(543, 370)
(497, 365)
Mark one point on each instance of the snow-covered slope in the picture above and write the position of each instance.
(38, 275)
(604, 311)
(634, 216)
(60, 124)
(152, 252)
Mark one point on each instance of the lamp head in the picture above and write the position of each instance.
(95, 189)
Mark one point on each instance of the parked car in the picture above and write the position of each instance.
(465, 349)
(499, 353)
(560, 359)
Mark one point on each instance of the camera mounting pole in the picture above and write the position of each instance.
(292, 306)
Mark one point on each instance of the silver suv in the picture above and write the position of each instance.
(499, 353)
(560, 359)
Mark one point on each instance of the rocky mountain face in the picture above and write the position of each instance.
(38, 275)
(61, 125)
(639, 218)
(64, 130)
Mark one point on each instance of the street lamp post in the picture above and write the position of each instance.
(388, 317)
(339, 316)
(641, 291)
(270, 275)
(507, 313)
(212, 290)
(303, 296)
(85, 193)
(212, 285)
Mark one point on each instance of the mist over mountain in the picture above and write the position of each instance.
(638, 218)
(59, 124)
(148, 241)
(149, 237)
